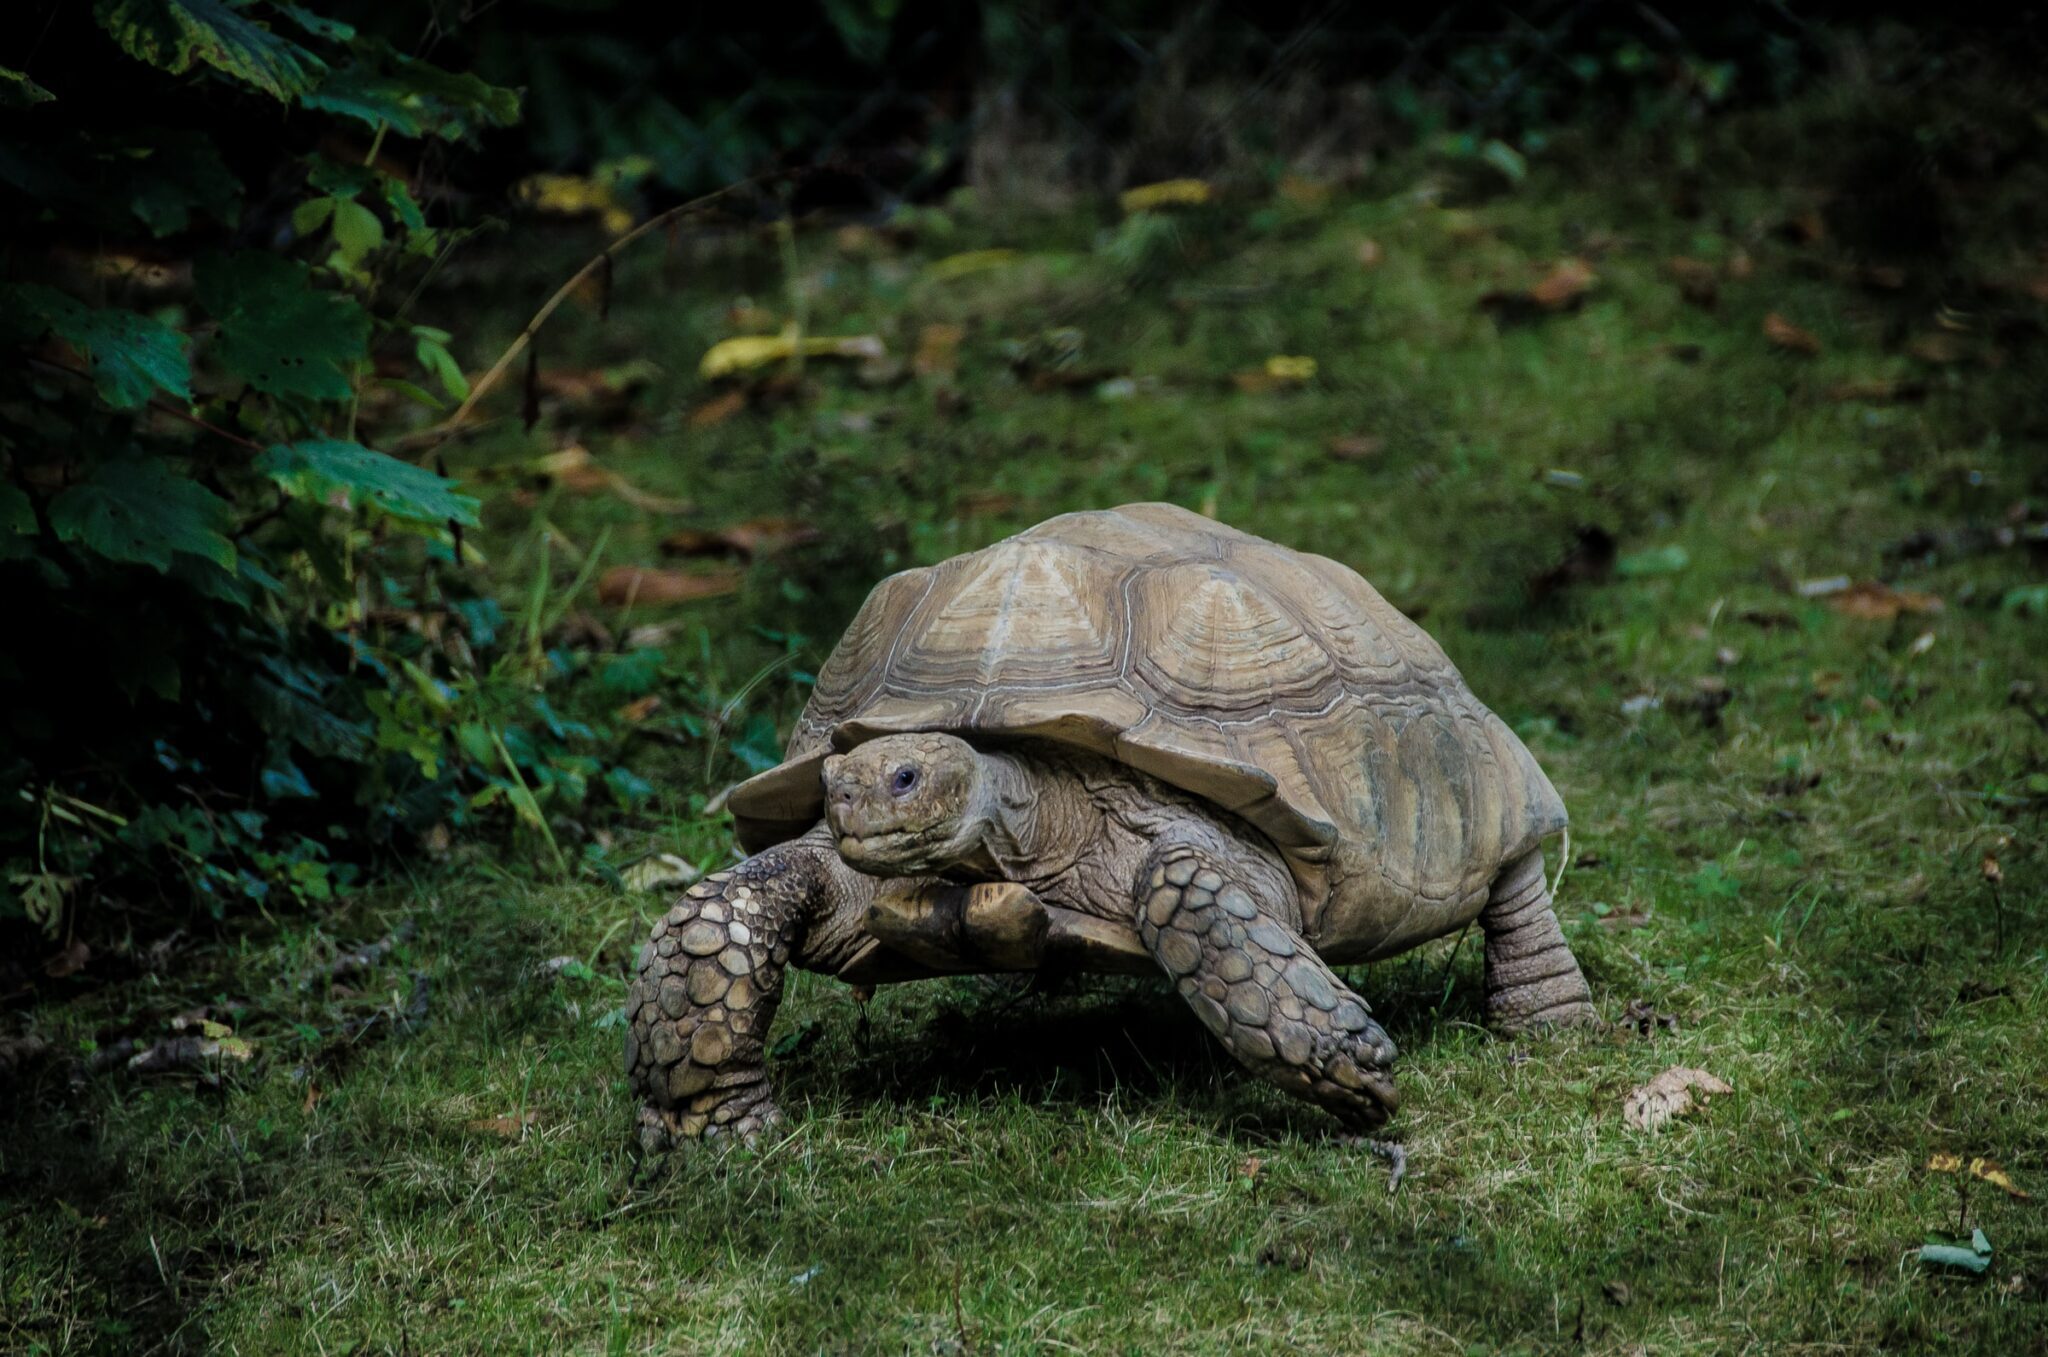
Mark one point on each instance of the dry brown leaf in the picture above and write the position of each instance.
(1370, 254)
(938, 350)
(1938, 349)
(1697, 282)
(1250, 1166)
(1668, 1095)
(1360, 447)
(1788, 336)
(624, 585)
(719, 408)
(755, 537)
(984, 503)
(1879, 602)
(70, 961)
(1565, 284)
(1308, 194)
(634, 712)
(511, 1128)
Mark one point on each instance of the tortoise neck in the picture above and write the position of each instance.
(1038, 818)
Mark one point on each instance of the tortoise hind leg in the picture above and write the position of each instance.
(1255, 983)
(1532, 978)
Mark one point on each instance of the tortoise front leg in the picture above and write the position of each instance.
(1255, 983)
(710, 978)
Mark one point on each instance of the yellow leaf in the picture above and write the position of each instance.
(1943, 1162)
(566, 195)
(1170, 193)
(215, 1030)
(1993, 1173)
(1285, 368)
(234, 1048)
(973, 261)
(748, 352)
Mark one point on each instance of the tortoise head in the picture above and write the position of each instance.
(907, 805)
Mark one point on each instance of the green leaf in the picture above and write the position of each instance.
(18, 91)
(318, 25)
(278, 332)
(17, 515)
(413, 98)
(356, 229)
(327, 469)
(131, 356)
(141, 511)
(1976, 1257)
(435, 358)
(311, 215)
(175, 173)
(1506, 159)
(173, 34)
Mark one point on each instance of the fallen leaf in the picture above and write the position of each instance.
(511, 1128)
(1567, 282)
(1938, 349)
(938, 350)
(633, 713)
(1668, 1095)
(568, 195)
(984, 503)
(70, 961)
(1989, 869)
(1250, 1166)
(1357, 447)
(1167, 193)
(755, 537)
(1369, 253)
(1876, 601)
(624, 585)
(1698, 283)
(729, 357)
(1741, 266)
(1973, 1257)
(1305, 193)
(1988, 1170)
(719, 408)
(1788, 336)
(1280, 372)
(660, 871)
(1617, 1293)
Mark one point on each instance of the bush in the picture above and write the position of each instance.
(243, 644)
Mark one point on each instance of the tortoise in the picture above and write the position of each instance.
(1130, 740)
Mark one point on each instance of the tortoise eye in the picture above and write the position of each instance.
(905, 779)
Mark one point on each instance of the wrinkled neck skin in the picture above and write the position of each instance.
(1077, 828)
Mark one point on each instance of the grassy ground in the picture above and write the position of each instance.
(1782, 810)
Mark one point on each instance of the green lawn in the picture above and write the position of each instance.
(1782, 814)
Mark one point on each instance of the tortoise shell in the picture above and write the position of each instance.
(1273, 683)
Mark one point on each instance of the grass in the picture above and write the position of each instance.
(1782, 816)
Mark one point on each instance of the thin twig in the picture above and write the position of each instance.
(441, 432)
(156, 406)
